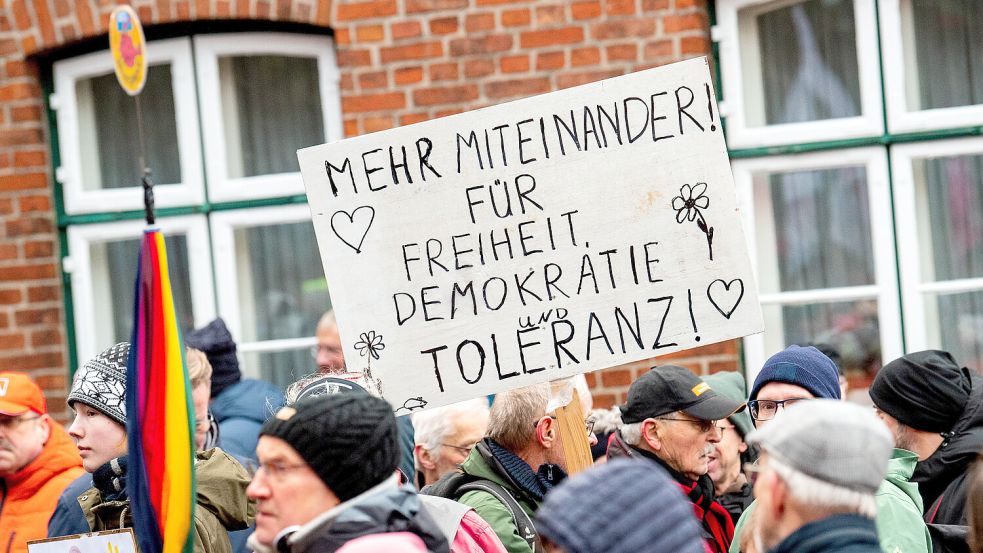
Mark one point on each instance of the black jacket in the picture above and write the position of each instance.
(942, 478)
(836, 534)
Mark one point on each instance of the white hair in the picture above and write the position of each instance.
(431, 428)
(823, 496)
(632, 433)
(513, 414)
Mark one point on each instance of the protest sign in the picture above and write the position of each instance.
(533, 240)
(111, 541)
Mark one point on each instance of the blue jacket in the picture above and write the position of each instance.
(241, 410)
(835, 534)
(68, 518)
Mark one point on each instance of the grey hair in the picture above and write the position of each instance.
(632, 433)
(432, 427)
(513, 414)
(293, 390)
(823, 496)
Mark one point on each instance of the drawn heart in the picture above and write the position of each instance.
(720, 293)
(351, 228)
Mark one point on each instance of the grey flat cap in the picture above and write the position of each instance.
(833, 441)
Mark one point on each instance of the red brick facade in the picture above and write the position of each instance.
(402, 61)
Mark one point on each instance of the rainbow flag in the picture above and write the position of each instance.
(160, 415)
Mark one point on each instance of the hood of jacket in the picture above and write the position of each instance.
(617, 447)
(220, 487)
(482, 463)
(250, 399)
(60, 454)
(386, 507)
(840, 533)
(934, 474)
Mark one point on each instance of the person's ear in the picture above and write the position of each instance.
(743, 447)
(652, 431)
(547, 431)
(779, 493)
(423, 458)
(45, 427)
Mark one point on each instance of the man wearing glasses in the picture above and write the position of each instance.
(671, 418)
(445, 437)
(37, 462)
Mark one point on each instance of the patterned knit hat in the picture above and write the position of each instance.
(101, 383)
(349, 440)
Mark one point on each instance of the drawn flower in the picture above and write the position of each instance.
(370, 344)
(690, 201)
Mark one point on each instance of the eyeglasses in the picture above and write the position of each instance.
(588, 424)
(705, 426)
(10, 423)
(766, 409)
(277, 470)
(464, 449)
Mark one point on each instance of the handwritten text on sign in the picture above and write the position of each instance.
(533, 240)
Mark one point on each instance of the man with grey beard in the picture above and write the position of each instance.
(671, 419)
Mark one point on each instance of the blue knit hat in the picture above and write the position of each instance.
(802, 366)
(609, 508)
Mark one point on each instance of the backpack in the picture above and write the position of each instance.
(455, 484)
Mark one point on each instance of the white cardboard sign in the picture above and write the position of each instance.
(533, 240)
(111, 541)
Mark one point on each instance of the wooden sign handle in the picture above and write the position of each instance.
(573, 435)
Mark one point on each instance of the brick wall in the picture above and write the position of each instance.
(402, 61)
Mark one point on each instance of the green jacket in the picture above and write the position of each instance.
(493, 511)
(221, 506)
(900, 527)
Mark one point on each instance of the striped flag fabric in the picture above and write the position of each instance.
(160, 422)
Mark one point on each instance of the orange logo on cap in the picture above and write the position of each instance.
(4, 382)
(700, 388)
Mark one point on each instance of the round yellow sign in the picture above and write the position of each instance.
(129, 49)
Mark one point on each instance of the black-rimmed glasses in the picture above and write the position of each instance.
(766, 409)
(704, 426)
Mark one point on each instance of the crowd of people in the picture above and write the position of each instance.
(688, 464)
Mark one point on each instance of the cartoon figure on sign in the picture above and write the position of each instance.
(411, 404)
(127, 44)
(688, 203)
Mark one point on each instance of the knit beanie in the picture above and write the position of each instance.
(587, 513)
(216, 342)
(349, 440)
(802, 366)
(100, 383)
(925, 390)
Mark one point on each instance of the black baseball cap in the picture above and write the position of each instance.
(671, 388)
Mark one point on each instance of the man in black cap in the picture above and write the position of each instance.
(327, 475)
(934, 407)
(671, 418)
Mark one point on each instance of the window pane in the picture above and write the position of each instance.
(109, 137)
(282, 290)
(850, 326)
(949, 200)
(280, 367)
(943, 42)
(821, 230)
(955, 323)
(807, 55)
(271, 106)
(114, 270)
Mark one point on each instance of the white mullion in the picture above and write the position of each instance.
(224, 224)
(79, 264)
(208, 49)
(733, 52)
(67, 73)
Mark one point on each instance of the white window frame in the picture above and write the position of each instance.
(885, 286)
(740, 135)
(68, 72)
(895, 14)
(208, 50)
(79, 265)
(913, 286)
(223, 225)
